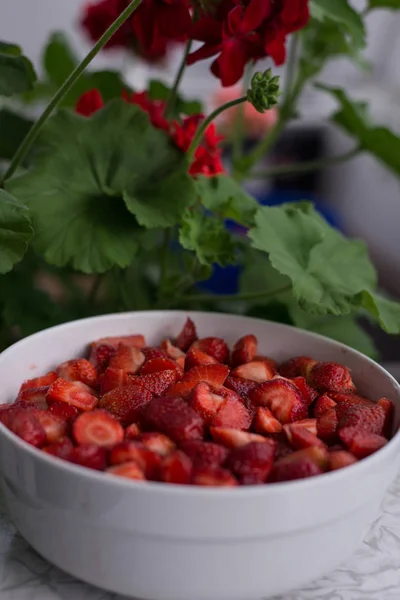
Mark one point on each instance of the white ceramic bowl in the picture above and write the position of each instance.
(164, 542)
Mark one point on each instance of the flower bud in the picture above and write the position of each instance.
(264, 91)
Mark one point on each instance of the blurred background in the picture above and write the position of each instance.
(361, 197)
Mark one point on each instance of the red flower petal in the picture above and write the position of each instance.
(89, 103)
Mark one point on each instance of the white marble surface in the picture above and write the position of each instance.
(373, 573)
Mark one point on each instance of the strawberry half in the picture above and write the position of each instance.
(137, 341)
(388, 408)
(132, 431)
(214, 375)
(364, 418)
(97, 428)
(361, 443)
(234, 438)
(329, 376)
(64, 411)
(127, 358)
(196, 358)
(75, 393)
(204, 454)
(300, 366)
(34, 396)
(252, 463)
(187, 336)
(213, 346)
(301, 464)
(213, 477)
(172, 351)
(241, 386)
(176, 468)
(173, 417)
(38, 382)
(130, 470)
(257, 370)
(111, 379)
(309, 394)
(300, 437)
(327, 425)
(205, 402)
(24, 423)
(126, 402)
(157, 383)
(232, 414)
(244, 350)
(282, 398)
(148, 460)
(158, 442)
(157, 365)
(340, 459)
(347, 397)
(265, 422)
(54, 427)
(100, 355)
(63, 448)
(322, 405)
(78, 370)
(153, 352)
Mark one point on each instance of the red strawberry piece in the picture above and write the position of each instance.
(181, 362)
(244, 350)
(309, 424)
(130, 470)
(327, 425)
(62, 448)
(241, 386)
(158, 442)
(187, 336)
(98, 428)
(329, 376)
(282, 449)
(152, 352)
(137, 341)
(174, 417)
(300, 366)
(64, 411)
(156, 365)
(388, 408)
(257, 371)
(157, 383)
(365, 418)
(132, 431)
(204, 454)
(148, 460)
(55, 428)
(172, 351)
(127, 358)
(78, 370)
(234, 438)
(252, 463)
(214, 375)
(322, 405)
(195, 358)
(100, 355)
(309, 394)
(90, 456)
(349, 398)
(176, 468)
(75, 393)
(300, 464)
(111, 379)
(205, 402)
(232, 414)
(34, 396)
(24, 423)
(213, 346)
(361, 443)
(300, 437)
(213, 477)
(339, 459)
(39, 382)
(126, 402)
(265, 422)
(282, 398)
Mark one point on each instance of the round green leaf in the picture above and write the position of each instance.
(16, 71)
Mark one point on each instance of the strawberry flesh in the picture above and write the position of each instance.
(213, 346)
(326, 377)
(214, 375)
(282, 398)
(244, 350)
(97, 428)
(35, 396)
(196, 358)
(257, 370)
(126, 402)
(74, 393)
(78, 370)
(176, 468)
(338, 459)
(213, 477)
(187, 336)
(148, 460)
(130, 470)
(232, 414)
(127, 358)
(173, 417)
(157, 383)
(265, 422)
(233, 438)
(39, 382)
(158, 442)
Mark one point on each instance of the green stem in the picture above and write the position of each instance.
(305, 167)
(235, 297)
(204, 124)
(64, 89)
(173, 93)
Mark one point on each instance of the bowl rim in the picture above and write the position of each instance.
(189, 491)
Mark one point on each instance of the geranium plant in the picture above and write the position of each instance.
(118, 199)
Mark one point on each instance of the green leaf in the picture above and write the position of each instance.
(341, 12)
(159, 91)
(224, 196)
(379, 141)
(15, 231)
(207, 237)
(13, 129)
(327, 271)
(16, 71)
(258, 275)
(59, 60)
(383, 310)
(391, 4)
(95, 180)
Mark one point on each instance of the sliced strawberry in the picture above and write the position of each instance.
(339, 459)
(151, 352)
(148, 460)
(187, 336)
(111, 379)
(363, 418)
(132, 431)
(300, 464)
(181, 362)
(196, 358)
(257, 371)
(130, 470)
(171, 351)
(126, 402)
(156, 365)
(348, 397)
(244, 350)
(361, 443)
(329, 376)
(174, 417)
(309, 394)
(300, 437)
(299, 366)
(252, 463)
(232, 414)
(241, 386)
(157, 383)
(388, 408)
(213, 477)
(75, 393)
(100, 355)
(55, 428)
(63, 448)
(322, 405)
(137, 341)
(158, 442)
(282, 449)
(309, 424)
(327, 425)
(78, 370)
(214, 375)
(24, 423)
(234, 438)
(213, 346)
(64, 411)
(265, 422)
(127, 358)
(34, 396)
(204, 454)
(39, 381)
(98, 428)
(282, 398)
(176, 468)
(205, 402)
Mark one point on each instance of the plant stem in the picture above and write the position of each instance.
(203, 126)
(235, 297)
(173, 93)
(305, 167)
(64, 89)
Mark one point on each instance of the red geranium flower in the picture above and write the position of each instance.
(89, 103)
